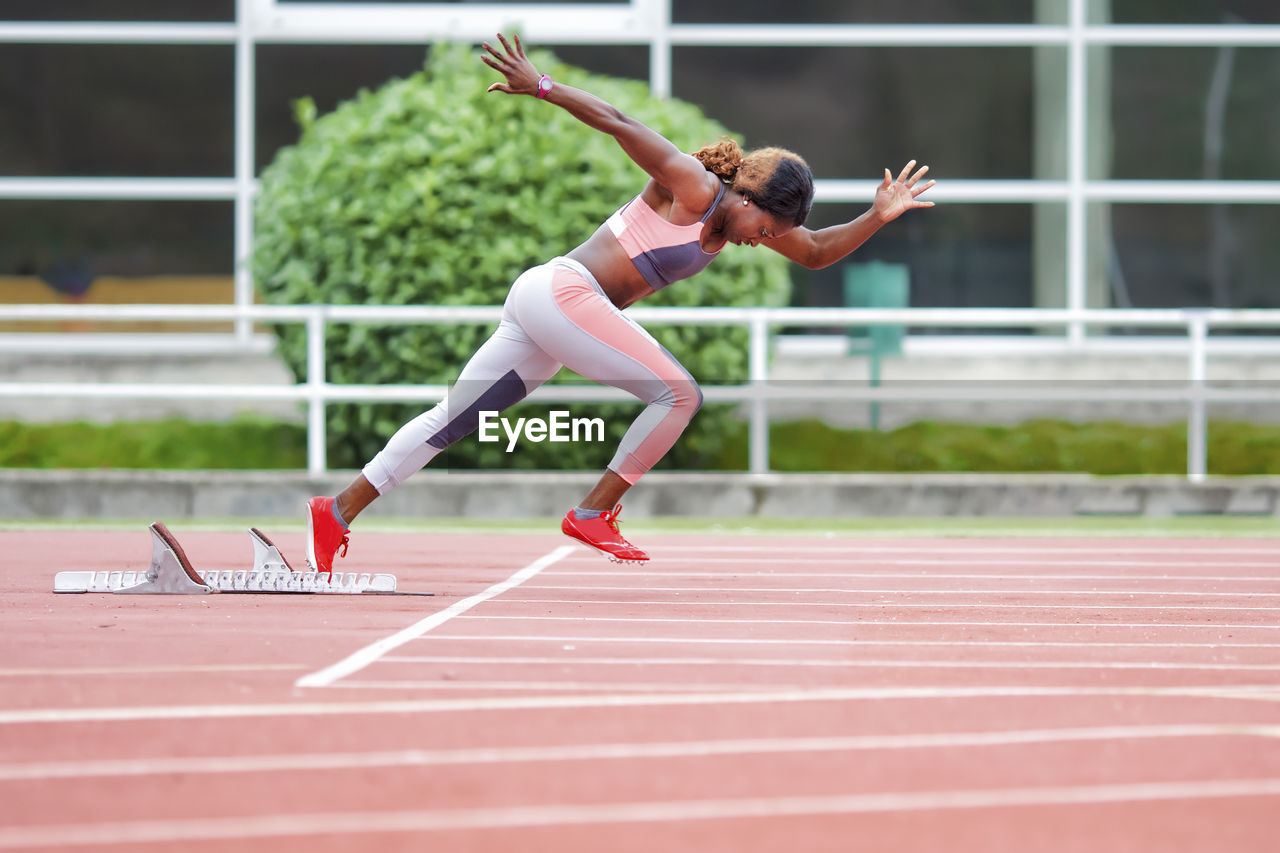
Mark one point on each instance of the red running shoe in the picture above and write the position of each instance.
(324, 535)
(602, 534)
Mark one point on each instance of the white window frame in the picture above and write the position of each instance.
(644, 22)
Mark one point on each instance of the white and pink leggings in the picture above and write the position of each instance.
(556, 314)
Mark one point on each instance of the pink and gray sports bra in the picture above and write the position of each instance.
(661, 251)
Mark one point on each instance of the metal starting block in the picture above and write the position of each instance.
(171, 573)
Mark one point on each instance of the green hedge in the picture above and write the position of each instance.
(430, 191)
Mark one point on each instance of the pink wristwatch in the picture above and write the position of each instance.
(545, 85)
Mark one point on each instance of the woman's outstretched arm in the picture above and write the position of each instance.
(680, 173)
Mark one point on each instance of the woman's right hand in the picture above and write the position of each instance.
(522, 77)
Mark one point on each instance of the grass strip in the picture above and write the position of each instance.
(1040, 446)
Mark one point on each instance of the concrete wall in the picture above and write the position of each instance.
(441, 494)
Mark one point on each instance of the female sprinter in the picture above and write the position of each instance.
(568, 311)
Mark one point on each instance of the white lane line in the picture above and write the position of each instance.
(895, 642)
(889, 664)
(792, 590)
(60, 672)
(596, 687)
(961, 561)
(672, 619)
(896, 623)
(963, 547)
(866, 622)
(783, 574)
(27, 716)
(885, 605)
(367, 655)
(506, 817)
(967, 546)
(116, 767)
(726, 641)
(569, 658)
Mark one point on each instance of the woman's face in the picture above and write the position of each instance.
(749, 225)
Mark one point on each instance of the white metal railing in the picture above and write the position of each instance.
(756, 393)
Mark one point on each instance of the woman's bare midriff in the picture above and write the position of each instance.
(608, 262)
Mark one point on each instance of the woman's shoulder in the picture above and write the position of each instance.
(690, 204)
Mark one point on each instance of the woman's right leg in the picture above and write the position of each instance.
(502, 372)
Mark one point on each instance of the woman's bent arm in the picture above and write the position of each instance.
(822, 248)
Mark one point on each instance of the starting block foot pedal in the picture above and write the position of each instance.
(266, 556)
(170, 573)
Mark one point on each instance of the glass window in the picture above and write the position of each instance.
(114, 10)
(1168, 125)
(117, 110)
(854, 12)
(1185, 255)
(1193, 11)
(850, 113)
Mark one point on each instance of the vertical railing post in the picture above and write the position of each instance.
(1197, 420)
(758, 376)
(316, 462)
(660, 48)
(244, 166)
(1077, 168)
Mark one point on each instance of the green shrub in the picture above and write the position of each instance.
(430, 191)
(244, 443)
(1043, 445)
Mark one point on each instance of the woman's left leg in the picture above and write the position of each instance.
(571, 319)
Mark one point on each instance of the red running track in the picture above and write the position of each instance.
(740, 693)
